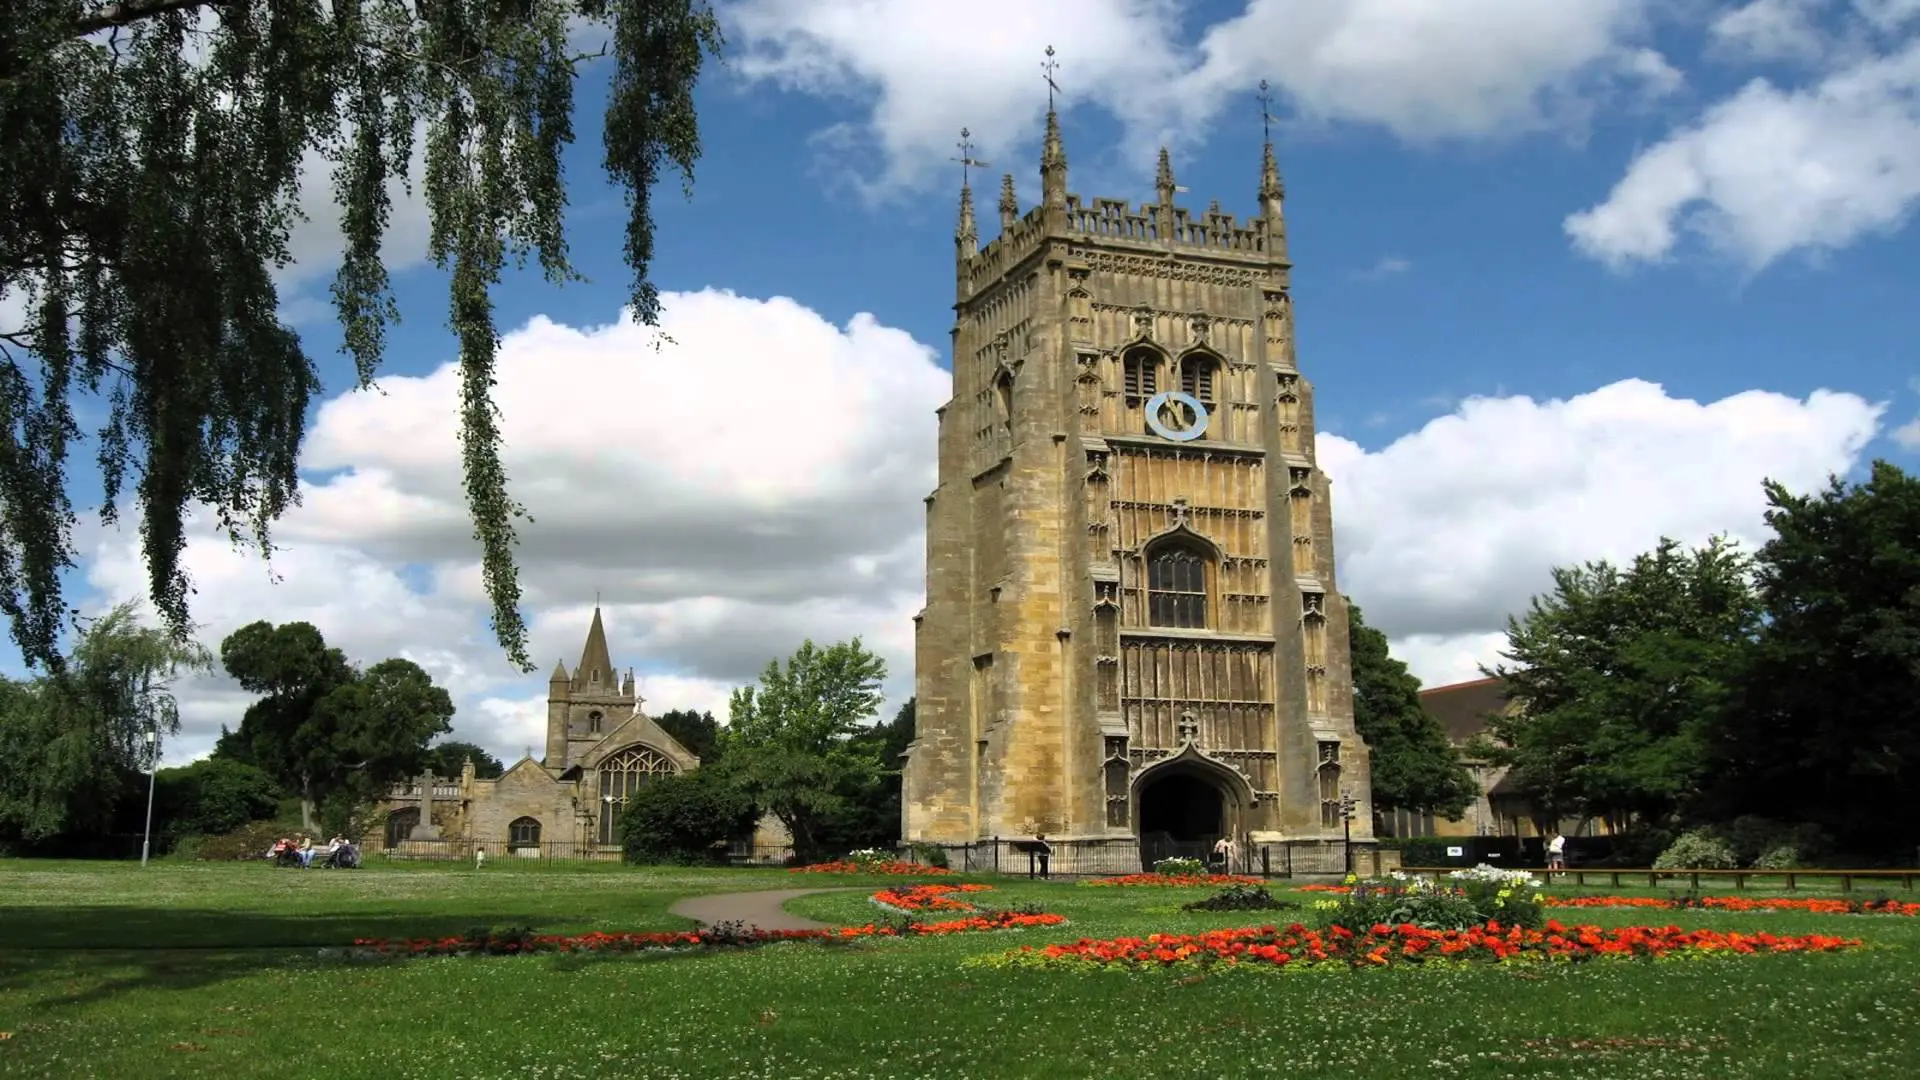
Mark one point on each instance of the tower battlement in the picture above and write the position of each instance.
(1162, 227)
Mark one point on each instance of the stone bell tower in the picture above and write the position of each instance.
(1132, 627)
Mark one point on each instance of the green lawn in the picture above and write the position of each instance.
(215, 970)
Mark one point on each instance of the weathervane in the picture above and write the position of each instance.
(1266, 116)
(966, 159)
(1048, 67)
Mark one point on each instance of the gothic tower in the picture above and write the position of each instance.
(1132, 626)
(584, 708)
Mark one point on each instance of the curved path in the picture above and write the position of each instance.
(765, 908)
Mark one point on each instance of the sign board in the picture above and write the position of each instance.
(1456, 852)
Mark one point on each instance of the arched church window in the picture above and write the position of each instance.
(594, 720)
(1003, 399)
(523, 832)
(1142, 371)
(400, 824)
(1329, 777)
(621, 775)
(1196, 377)
(1177, 586)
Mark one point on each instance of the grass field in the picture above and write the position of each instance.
(216, 970)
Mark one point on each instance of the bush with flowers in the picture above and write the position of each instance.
(1465, 899)
(1179, 867)
(868, 864)
(1181, 881)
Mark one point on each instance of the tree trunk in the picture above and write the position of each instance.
(306, 804)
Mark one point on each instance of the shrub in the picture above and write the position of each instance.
(1698, 849)
(931, 854)
(1178, 866)
(1240, 898)
(688, 818)
(1423, 851)
(249, 841)
(1467, 898)
(211, 797)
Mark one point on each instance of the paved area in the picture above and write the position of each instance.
(764, 908)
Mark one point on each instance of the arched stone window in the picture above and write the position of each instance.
(1177, 585)
(1142, 371)
(621, 775)
(1329, 776)
(594, 720)
(400, 824)
(523, 832)
(1197, 374)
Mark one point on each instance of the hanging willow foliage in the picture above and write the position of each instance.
(150, 156)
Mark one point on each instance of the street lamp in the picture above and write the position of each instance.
(606, 819)
(153, 768)
(1348, 804)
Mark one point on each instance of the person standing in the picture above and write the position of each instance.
(1557, 852)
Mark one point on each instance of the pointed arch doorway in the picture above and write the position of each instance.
(1187, 803)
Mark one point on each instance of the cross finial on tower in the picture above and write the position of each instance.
(1048, 67)
(966, 159)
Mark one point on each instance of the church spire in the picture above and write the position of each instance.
(1053, 154)
(1163, 178)
(966, 236)
(1273, 193)
(596, 664)
(1009, 203)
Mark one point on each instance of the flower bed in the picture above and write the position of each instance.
(1741, 903)
(1808, 905)
(849, 866)
(1386, 946)
(917, 898)
(910, 900)
(1174, 880)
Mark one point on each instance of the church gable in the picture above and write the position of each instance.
(640, 728)
(525, 773)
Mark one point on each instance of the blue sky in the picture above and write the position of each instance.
(1568, 277)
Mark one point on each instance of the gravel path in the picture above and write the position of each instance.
(765, 908)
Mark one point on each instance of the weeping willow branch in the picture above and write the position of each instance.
(153, 181)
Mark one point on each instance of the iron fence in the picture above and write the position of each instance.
(1099, 857)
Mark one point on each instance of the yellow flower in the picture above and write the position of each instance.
(1351, 878)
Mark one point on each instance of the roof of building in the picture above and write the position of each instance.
(1463, 708)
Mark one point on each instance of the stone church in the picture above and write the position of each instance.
(600, 748)
(1132, 627)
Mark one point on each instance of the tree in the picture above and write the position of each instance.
(450, 759)
(73, 742)
(293, 669)
(151, 154)
(1620, 675)
(321, 728)
(697, 732)
(793, 739)
(210, 797)
(1414, 767)
(686, 818)
(1826, 726)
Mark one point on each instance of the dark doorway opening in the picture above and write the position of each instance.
(1181, 815)
(400, 824)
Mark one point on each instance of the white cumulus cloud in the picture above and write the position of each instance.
(755, 483)
(1773, 170)
(759, 483)
(1445, 531)
(1421, 69)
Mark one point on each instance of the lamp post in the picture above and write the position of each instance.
(606, 818)
(1347, 807)
(153, 768)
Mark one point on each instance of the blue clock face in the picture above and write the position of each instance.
(1176, 415)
